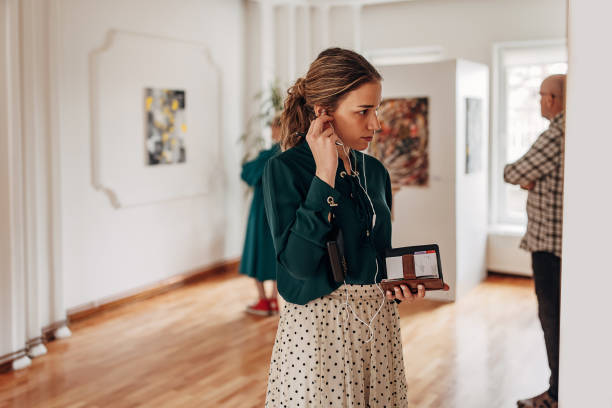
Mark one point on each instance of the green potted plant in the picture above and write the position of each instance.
(270, 105)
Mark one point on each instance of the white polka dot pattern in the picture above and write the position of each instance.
(321, 359)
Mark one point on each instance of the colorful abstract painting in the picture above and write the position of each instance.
(165, 126)
(402, 143)
(473, 135)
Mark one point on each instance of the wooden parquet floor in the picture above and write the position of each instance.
(195, 347)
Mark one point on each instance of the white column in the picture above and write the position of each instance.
(56, 275)
(12, 285)
(292, 43)
(307, 33)
(357, 27)
(586, 334)
(38, 165)
(32, 284)
(268, 45)
(324, 29)
(34, 99)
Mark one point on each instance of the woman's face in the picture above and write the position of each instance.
(355, 117)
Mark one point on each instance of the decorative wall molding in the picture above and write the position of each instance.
(7, 360)
(22, 358)
(405, 55)
(120, 69)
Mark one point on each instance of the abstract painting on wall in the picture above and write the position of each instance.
(165, 126)
(402, 143)
(473, 135)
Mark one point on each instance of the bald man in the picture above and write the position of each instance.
(540, 171)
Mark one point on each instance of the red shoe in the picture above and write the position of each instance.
(273, 306)
(261, 308)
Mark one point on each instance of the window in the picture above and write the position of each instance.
(518, 70)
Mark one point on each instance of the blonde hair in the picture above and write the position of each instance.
(332, 75)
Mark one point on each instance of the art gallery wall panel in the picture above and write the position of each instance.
(471, 173)
(107, 251)
(586, 334)
(426, 214)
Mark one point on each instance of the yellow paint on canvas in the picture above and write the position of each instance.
(174, 105)
(149, 102)
(173, 142)
(184, 128)
(165, 137)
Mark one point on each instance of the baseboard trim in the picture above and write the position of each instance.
(48, 332)
(93, 308)
(6, 361)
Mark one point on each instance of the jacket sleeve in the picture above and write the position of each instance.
(540, 160)
(299, 223)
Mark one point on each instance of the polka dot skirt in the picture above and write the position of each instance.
(321, 358)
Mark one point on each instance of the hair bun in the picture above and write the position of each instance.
(299, 88)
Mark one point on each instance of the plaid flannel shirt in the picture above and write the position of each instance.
(543, 165)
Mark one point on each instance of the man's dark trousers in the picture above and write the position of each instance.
(547, 277)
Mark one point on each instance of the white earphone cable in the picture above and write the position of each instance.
(346, 303)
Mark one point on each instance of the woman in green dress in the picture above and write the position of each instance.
(338, 344)
(258, 258)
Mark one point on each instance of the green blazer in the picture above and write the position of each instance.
(297, 207)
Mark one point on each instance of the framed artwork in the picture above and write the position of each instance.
(402, 143)
(165, 126)
(473, 135)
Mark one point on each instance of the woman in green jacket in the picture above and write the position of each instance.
(338, 343)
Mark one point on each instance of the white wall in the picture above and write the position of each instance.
(108, 251)
(426, 215)
(586, 333)
(471, 210)
(451, 211)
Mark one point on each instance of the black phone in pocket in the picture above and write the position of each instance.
(335, 249)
